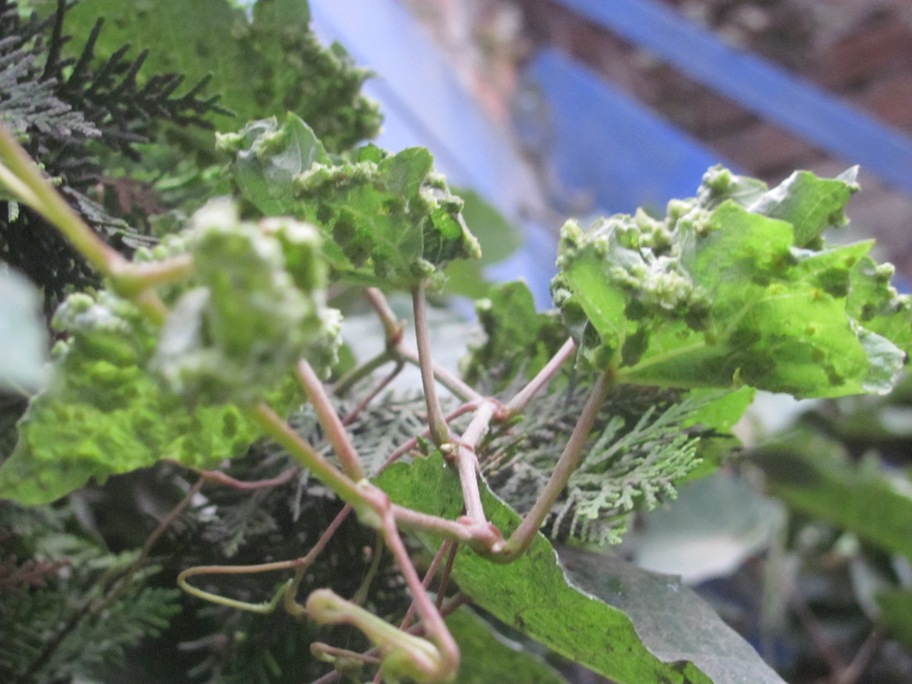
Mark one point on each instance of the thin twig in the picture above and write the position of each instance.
(443, 376)
(434, 625)
(447, 573)
(413, 442)
(20, 174)
(329, 420)
(361, 371)
(467, 460)
(47, 201)
(454, 604)
(852, 673)
(831, 656)
(220, 478)
(519, 402)
(442, 552)
(440, 432)
(392, 326)
(370, 396)
(279, 430)
(567, 463)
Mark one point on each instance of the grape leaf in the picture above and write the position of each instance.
(256, 309)
(103, 413)
(532, 594)
(388, 219)
(488, 657)
(719, 295)
(125, 394)
(672, 621)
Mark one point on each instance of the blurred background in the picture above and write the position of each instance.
(557, 108)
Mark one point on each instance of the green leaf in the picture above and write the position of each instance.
(23, 337)
(387, 219)
(811, 204)
(896, 613)
(814, 474)
(488, 657)
(532, 594)
(103, 413)
(125, 394)
(672, 621)
(719, 295)
(256, 309)
(517, 337)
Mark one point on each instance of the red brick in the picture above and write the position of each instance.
(883, 47)
(764, 149)
(890, 99)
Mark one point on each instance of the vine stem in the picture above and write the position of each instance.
(361, 371)
(451, 606)
(330, 422)
(440, 431)
(398, 351)
(435, 627)
(33, 189)
(413, 442)
(21, 175)
(444, 377)
(467, 460)
(519, 402)
(370, 396)
(569, 460)
(442, 552)
(286, 592)
(297, 446)
(392, 326)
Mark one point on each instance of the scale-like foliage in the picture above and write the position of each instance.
(644, 443)
(60, 107)
(54, 625)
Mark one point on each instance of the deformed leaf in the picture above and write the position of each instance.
(811, 204)
(387, 219)
(735, 287)
(256, 309)
(126, 394)
(532, 594)
(103, 413)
